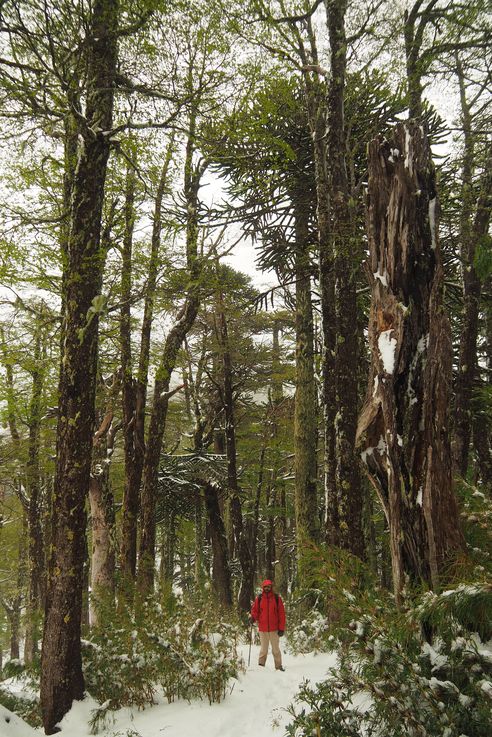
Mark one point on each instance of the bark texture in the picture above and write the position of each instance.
(240, 533)
(305, 417)
(403, 430)
(102, 516)
(61, 675)
(36, 557)
(316, 106)
(346, 255)
(221, 575)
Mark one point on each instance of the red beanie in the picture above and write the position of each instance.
(266, 583)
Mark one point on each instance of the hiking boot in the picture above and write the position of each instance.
(280, 668)
(262, 664)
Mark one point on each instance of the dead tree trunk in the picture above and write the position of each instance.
(403, 430)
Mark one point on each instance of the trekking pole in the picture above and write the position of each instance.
(250, 641)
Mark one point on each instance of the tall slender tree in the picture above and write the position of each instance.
(61, 679)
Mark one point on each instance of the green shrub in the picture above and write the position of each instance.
(27, 709)
(184, 650)
(311, 634)
(412, 687)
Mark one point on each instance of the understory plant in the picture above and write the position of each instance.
(423, 670)
(183, 650)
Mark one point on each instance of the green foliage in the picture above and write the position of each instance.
(183, 649)
(311, 634)
(476, 518)
(390, 679)
(467, 607)
(323, 712)
(483, 257)
(27, 705)
(27, 709)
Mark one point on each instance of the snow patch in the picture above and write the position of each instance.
(432, 221)
(387, 347)
(12, 725)
(408, 154)
(383, 278)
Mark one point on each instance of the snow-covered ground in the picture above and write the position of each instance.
(254, 707)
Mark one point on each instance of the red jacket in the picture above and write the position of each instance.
(269, 616)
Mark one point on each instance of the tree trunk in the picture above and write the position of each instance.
(345, 249)
(412, 34)
(269, 531)
(14, 610)
(133, 458)
(61, 674)
(10, 391)
(33, 479)
(135, 391)
(221, 576)
(240, 535)
(281, 551)
(253, 538)
(403, 428)
(316, 107)
(472, 229)
(327, 292)
(103, 519)
(167, 363)
(305, 418)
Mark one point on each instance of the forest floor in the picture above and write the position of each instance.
(255, 706)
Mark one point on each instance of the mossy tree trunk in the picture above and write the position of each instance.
(101, 500)
(61, 668)
(36, 557)
(305, 416)
(346, 254)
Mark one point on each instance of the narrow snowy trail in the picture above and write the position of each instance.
(255, 707)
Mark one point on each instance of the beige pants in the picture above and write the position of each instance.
(272, 638)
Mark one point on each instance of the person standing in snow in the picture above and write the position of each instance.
(268, 610)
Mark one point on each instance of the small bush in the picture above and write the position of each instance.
(27, 709)
(413, 687)
(190, 657)
(311, 634)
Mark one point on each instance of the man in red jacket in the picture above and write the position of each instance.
(268, 610)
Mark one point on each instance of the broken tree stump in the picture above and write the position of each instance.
(403, 429)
